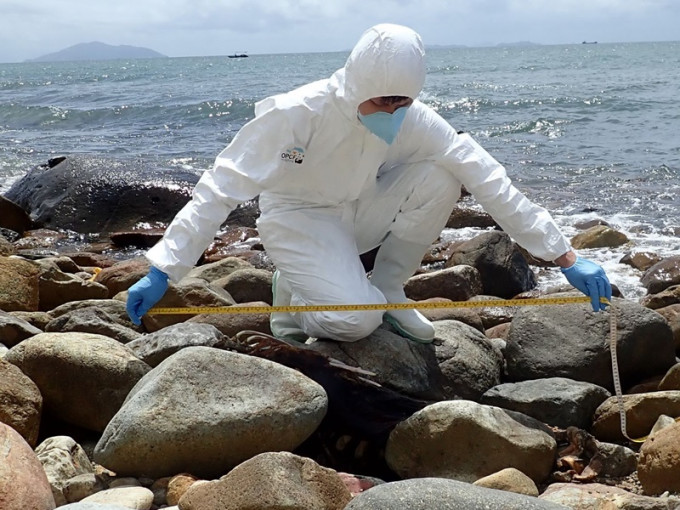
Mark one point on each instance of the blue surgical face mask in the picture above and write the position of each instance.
(384, 125)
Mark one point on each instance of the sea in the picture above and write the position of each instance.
(589, 131)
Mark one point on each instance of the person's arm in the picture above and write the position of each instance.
(527, 223)
(237, 175)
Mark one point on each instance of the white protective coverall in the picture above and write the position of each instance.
(330, 189)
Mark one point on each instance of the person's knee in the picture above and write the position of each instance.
(343, 326)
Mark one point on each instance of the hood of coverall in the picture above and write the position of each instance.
(388, 60)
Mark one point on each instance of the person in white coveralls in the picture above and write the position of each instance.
(342, 166)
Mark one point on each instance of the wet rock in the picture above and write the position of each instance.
(585, 225)
(640, 260)
(599, 236)
(87, 194)
(666, 298)
(14, 217)
(137, 238)
(662, 275)
(463, 216)
(245, 215)
(672, 315)
(504, 271)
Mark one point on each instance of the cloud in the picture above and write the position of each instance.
(217, 27)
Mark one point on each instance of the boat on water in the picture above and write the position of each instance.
(589, 42)
(238, 55)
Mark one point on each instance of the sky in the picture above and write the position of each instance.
(179, 28)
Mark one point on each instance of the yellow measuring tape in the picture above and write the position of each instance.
(198, 310)
(195, 310)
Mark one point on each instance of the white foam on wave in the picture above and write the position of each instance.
(660, 239)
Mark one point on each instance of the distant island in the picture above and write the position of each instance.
(98, 51)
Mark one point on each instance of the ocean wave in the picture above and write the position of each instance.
(20, 117)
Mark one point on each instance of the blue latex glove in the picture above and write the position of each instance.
(146, 293)
(590, 279)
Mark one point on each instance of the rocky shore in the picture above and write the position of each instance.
(511, 407)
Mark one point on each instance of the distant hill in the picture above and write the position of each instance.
(98, 51)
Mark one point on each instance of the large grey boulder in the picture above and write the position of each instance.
(466, 441)
(503, 269)
(156, 347)
(83, 378)
(442, 494)
(469, 362)
(572, 341)
(204, 410)
(557, 401)
(93, 320)
(398, 363)
(113, 308)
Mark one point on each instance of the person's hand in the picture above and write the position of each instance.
(146, 293)
(590, 279)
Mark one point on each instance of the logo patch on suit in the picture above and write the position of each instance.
(294, 155)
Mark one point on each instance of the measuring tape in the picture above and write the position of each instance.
(196, 310)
